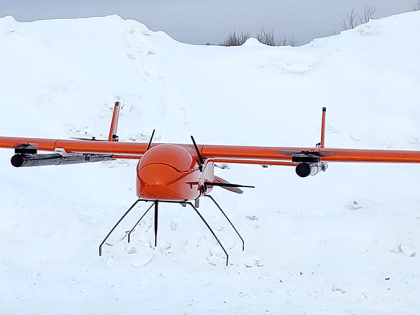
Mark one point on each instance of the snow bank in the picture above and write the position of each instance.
(340, 242)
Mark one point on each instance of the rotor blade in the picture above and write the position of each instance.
(198, 153)
(87, 139)
(226, 185)
(150, 141)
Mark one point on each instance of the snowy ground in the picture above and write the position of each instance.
(343, 242)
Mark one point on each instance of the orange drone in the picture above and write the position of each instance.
(181, 173)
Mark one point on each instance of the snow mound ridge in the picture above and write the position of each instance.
(341, 241)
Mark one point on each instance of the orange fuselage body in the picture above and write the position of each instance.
(170, 172)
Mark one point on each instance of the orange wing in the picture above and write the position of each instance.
(289, 156)
(293, 155)
(221, 153)
(107, 147)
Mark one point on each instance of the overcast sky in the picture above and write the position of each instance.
(211, 21)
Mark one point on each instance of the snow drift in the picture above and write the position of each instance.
(345, 241)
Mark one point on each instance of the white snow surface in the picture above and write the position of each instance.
(342, 242)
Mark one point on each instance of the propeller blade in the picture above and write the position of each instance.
(87, 139)
(226, 185)
(198, 153)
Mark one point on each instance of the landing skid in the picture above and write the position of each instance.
(221, 210)
(156, 214)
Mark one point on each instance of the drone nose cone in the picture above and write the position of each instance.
(157, 182)
(168, 172)
(157, 175)
(164, 182)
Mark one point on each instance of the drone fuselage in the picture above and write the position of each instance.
(169, 172)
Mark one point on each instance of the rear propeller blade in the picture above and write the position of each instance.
(226, 185)
(87, 139)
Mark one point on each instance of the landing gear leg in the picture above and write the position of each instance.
(156, 221)
(100, 246)
(208, 226)
(129, 233)
(243, 242)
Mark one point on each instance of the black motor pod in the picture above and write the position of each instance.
(17, 160)
(27, 160)
(306, 169)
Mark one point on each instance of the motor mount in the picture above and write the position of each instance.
(305, 158)
(26, 148)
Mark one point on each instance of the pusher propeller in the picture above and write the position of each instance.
(226, 185)
(88, 139)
